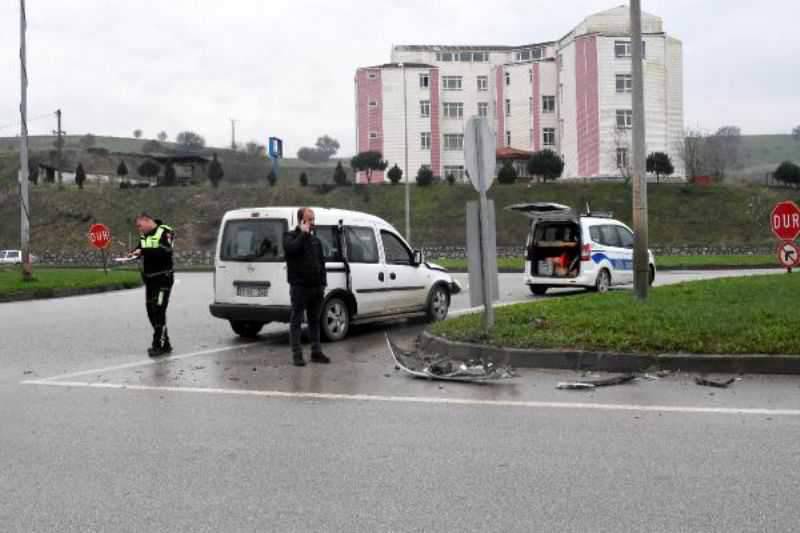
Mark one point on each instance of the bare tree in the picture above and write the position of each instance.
(690, 150)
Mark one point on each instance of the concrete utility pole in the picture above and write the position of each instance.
(233, 134)
(405, 167)
(641, 263)
(24, 203)
(60, 147)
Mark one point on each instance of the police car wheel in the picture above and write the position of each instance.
(538, 290)
(603, 283)
(335, 319)
(246, 329)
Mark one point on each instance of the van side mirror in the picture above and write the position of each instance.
(419, 257)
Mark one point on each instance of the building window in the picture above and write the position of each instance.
(508, 138)
(444, 56)
(480, 57)
(508, 107)
(457, 171)
(548, 104)
(483, 83)
(623, 48)
(549, 136)
(465, 57)
(622, 158)
(451, 83)
(424, 81)
(373, 103)
(425, 140)
(483, 109)
(424, 108)
(624, 119)
(373, 135)
(372, 75)
(453, 142)
(537, 53)
(453, 110)
(508, 78)
(522, 55)
(624, 83)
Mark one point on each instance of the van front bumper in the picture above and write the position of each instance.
(251, 313)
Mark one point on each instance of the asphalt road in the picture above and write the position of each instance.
(227, 436)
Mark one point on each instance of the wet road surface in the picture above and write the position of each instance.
(227, 436)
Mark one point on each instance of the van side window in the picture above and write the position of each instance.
(609, 236)
(396, 252)
(361, 245)
(330, 243)
(625, 237)
(594, 231)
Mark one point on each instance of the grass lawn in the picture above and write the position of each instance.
(48, 280)
(668, 262)
(728, 316)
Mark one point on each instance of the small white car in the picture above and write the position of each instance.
(373, 274)
(565, 249)
(10, 257)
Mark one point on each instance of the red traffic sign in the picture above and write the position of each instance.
(100, 236)
(789, 254)
(785, 221)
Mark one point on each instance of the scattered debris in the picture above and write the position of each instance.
(198, 367)
(27, 373)
(650, 377)
(705, 382)
(387, 375)
(574, 385)
(445, 368)
(590, 384)
(664, 373)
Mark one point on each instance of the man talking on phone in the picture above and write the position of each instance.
(305, 265)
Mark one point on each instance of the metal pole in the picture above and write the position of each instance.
(405, 148)
(641, 266)
(60, 150)
(233, 134)
(25, 212)
(488, 293)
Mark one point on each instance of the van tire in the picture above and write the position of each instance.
(246, 329)
(438, 304)
(652, 277)
(603, 282)
(538, 290)
(335, 319)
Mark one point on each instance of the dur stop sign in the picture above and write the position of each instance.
(785, 221)
(100, 236)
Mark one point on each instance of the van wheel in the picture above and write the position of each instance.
(652, 275)
(538, 290)
(438, 304)
(335, 319)
(245, 329)
(603, 283)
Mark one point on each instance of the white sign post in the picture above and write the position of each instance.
(480, 162)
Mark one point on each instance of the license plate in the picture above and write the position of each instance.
(252, 292)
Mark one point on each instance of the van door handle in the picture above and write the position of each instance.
(381, 277)
(392, 276)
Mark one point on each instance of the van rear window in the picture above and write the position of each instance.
(258, 240)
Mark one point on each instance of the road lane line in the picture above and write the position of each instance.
(428, 400)
(146, 362)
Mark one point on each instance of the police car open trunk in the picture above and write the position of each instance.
(553, 248)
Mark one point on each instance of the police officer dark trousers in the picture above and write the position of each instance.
(155, 249)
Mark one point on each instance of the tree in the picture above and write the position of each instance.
(254, 149)
(170, 177)
(547, 164)
(339, 175)
(507, 174)
(368, 162)
(303, 179)
(722, 150)
(80, 176)
(272, 178)
(424, 176)
(690, 149)
(324, 149)
(796, 133)
(162, 137)
(451, 179)
(788, 173)
(137, 133)
(190, 140)
(660, 164)
(395, 174)
(122, 170)
(215, 172)
(151, 146)
(148, 169)
(87, 141)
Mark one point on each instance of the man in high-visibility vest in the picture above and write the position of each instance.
(155, 250)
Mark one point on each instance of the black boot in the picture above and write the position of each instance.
(297, 359)
(320, 357)
(166, 346)
(157, 348)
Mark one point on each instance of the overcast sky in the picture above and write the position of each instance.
(285, 67)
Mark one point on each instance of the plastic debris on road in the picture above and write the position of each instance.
(706, 382)
(590, 384)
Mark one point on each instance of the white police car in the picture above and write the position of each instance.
(565, 249)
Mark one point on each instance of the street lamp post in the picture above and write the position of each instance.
(24, 207)
(405, 149)
(641, 259)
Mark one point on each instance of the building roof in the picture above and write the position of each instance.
(397, 65)
(465, 47)
(507, 153)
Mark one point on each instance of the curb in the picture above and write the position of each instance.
(615, 361)
(679, 268)
(48, 294)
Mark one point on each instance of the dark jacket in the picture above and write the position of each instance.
(158, 260)
(305, 260)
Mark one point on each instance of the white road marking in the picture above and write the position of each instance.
(430, 400)
(145, 362)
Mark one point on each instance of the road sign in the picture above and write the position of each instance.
(275, 148)
(480, 158)
(789, 254)
(477, 294)
(100, 236)
(785, 221)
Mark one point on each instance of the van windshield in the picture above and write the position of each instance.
(259, 240)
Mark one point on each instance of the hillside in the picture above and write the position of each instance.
(679, 215)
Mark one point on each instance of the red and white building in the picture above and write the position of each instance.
(572, 96)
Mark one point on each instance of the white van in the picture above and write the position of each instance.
(373, 274)
(565, 249)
